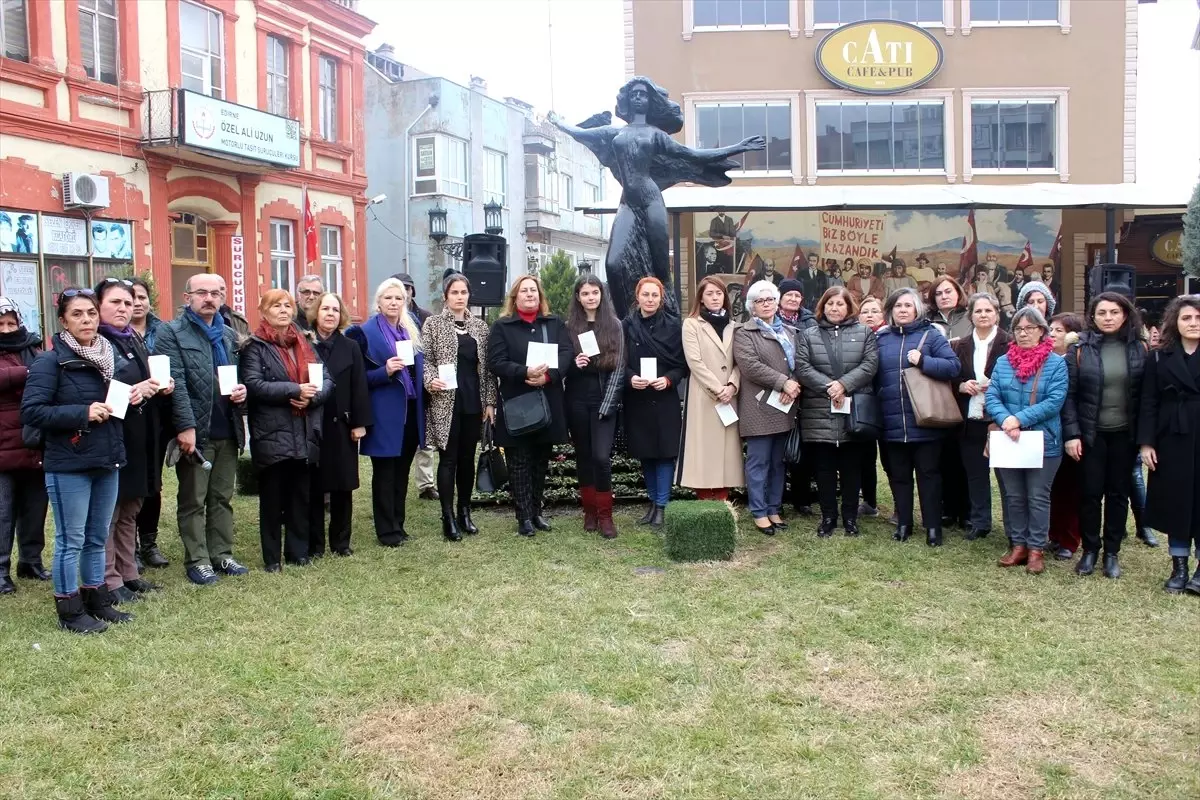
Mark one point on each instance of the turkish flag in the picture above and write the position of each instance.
(968, 257)
(310, 232)
(1026, 259)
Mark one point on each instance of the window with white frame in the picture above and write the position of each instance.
(327, 98)
(567, 192)
(1014, 135)
(14, 30)
(739, 13)
(725, 124)
(201, 49)
(844, 12)
(495, 177)
(98, 39)
(440, 166)
(592, 192)
(277, 76)
(880, 136)
(283, 254)
(1013, 12)
(331, 258)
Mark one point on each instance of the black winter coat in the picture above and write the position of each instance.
(60, 389)
(858, 355)
(508, 343)
(142, 426)
(1169, 421)
(348, 407)
(14, 370)
(653, 420)
(1086, 374)
(276, 434)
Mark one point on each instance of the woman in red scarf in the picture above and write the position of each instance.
(284, 398)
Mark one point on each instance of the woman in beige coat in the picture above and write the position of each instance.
(712, 451)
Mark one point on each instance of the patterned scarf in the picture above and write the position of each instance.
(294, 351)
(99, 352)
(777, 331)
(1026, 361)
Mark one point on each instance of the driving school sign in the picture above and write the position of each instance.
(879, 56)
(238, 270)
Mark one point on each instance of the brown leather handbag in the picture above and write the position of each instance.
(933, 401)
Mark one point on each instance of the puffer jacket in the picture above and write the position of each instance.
(58, 393)
(805, 319)
(1082, 408)
(14, 370)
(954, 325)
(1008, 396)
(276, 434)
(856, 351)
(937, 361)
(191, 356)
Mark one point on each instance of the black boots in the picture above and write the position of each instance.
(34, 571)
(99, 603)
(933, 537)
(450, 527)
(525, 528)
(827, 527)
(72, 617)
(1087, 563)
(1147, 537)
(850, 526)
(648, 517)
(902, 533)
(660, 517)
(1193, 586)
(465, 523)
(153, 557)
(1179, 576)
(6, 584)
(541, 523)
(1112, 567)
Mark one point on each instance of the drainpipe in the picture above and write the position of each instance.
(433, 101)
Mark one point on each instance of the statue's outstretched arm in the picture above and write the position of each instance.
(589, 137)
(715, 153)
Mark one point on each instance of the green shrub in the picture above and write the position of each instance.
(700, 530)
(247, 477)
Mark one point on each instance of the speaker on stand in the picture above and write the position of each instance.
(485, 264)
(1117, 278)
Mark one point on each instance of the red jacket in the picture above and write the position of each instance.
(14, 455)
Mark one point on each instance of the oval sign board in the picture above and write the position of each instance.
(879, 56)
(1167, 247)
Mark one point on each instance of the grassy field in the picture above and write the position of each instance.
(559, 668)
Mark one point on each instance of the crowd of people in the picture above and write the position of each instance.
(920, 383)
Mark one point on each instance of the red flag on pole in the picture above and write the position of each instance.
(310, 232)
(1026, 259)
(798, 261)
(1056, 250)
(968, 257)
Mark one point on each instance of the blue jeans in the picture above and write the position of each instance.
(83, 504)
(765, 472)
(659, 474)
(1027, 503)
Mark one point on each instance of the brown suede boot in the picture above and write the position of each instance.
(1035, 565)
(604, 506)
(1016, 556)
(588, 493)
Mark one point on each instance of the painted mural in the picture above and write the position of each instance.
(876, 252)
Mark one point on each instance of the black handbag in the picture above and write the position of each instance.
(791, 448)
(491, 474)
(529, 412)
(866, 417)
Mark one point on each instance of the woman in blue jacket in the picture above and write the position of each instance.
(911, 340)
(397, 406)
(1027, 392)
(84, 449)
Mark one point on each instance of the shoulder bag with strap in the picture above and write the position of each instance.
(933, 401)
(491, 473)
(528, 412)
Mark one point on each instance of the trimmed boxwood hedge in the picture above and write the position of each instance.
(247, 477)
(700, 530)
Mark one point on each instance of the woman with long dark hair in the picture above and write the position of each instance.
(1169, 434)
(593, 397)
(1100, 423)
(524, 320)
(711, 462)
(146, 324)
(1065, 492)
(653, 417)
(454, 419)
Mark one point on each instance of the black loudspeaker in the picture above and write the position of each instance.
(485, 263)
(1111, 278)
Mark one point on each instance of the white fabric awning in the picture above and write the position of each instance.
(919, 196)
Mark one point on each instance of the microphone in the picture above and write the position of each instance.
(196, 458)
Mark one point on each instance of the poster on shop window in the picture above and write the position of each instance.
(19, 283)
(112, 240)
(18, 232)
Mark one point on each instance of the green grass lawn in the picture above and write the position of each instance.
(556, 668)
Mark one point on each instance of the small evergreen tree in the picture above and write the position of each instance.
(558, 281)
(1191, 235)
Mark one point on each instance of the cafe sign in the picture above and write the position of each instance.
(1167, 247)
(879, 56)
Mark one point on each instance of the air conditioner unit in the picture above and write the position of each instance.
(81, 190)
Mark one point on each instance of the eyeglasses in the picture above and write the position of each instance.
(1026, 330)
(69, 293)
(765, 301)
(202, 293)
(310, 292)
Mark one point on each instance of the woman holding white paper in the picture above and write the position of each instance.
(142, 426)
(462, 395)
(764, 349)
(1026, 393)
(653, 417)
(84, 449)
(711, 463)
(593, 394)
(284, 411)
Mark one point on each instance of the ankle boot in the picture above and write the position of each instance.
(659, 517)
(588, 495)
(1179, 576)
(465, 524)
(99, 603)
(604, 517)
(1087, 563)
(1035, 565)
(648, 517)
(933, 537)
(450, 527)
(902, 533)
(34, 571)
(1193, 586)
(1112, 567)
(827, 527)
(850, 526)
(1018, 554)
(72, 617)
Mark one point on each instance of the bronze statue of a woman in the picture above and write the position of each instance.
(645, 160)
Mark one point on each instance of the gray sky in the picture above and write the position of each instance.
(509, 43)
